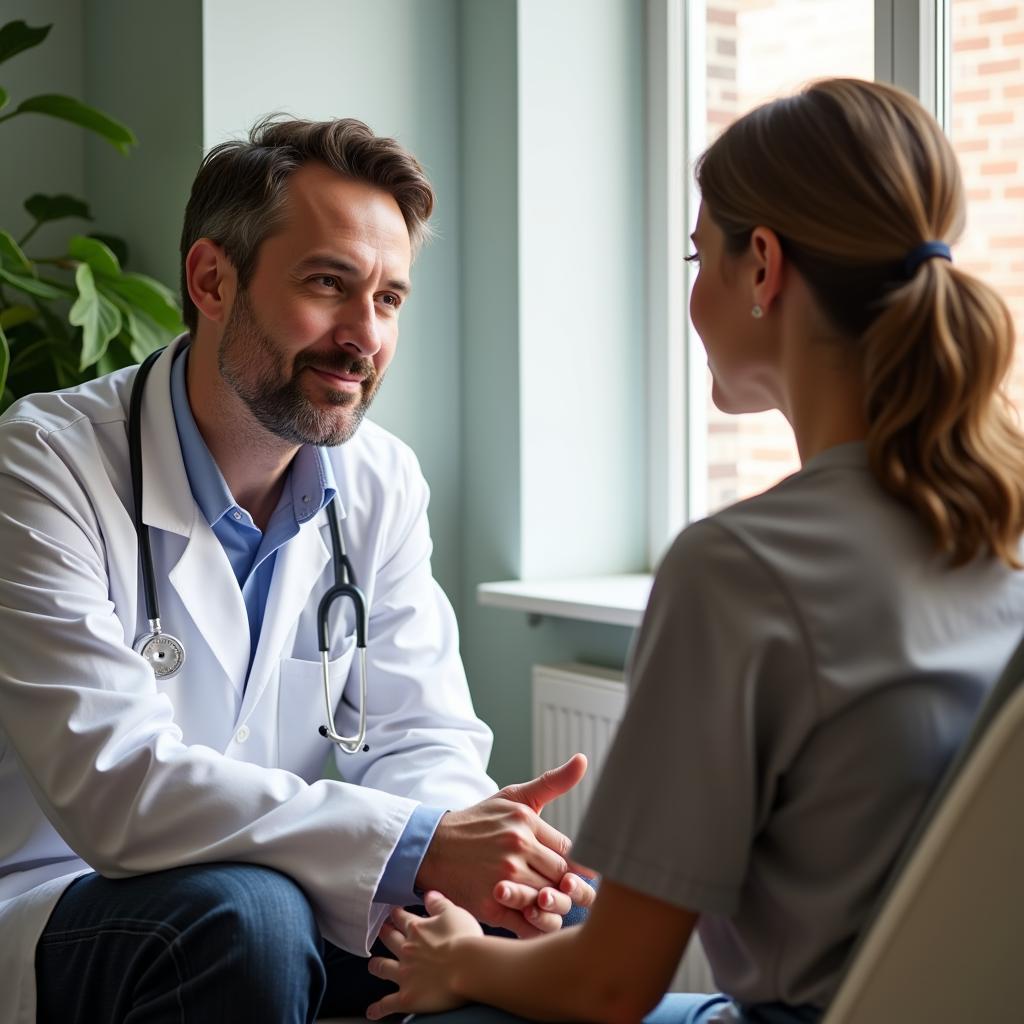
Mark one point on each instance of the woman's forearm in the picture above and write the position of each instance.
(553, 978)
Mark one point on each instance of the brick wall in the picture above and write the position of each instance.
(988, 136)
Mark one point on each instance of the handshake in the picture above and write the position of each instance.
(503, 863)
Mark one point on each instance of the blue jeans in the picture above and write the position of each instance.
(212, 942)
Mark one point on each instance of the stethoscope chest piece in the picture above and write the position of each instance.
(165, 653)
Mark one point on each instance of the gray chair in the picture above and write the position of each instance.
(947, 941)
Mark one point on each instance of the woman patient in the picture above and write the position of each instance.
(810, 658)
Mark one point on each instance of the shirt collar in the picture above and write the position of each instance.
(310, 486)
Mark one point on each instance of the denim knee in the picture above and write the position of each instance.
(261, 915)
(201, 942)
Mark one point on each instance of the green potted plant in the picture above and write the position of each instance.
(69, 316)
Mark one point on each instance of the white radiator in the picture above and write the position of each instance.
(578, 708)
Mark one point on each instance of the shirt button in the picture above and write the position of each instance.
(237, 515)
(242, 735)
(305, 498)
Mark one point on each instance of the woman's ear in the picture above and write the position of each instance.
(211, 279)
(768, 260)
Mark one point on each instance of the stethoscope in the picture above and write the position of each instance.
(166, 653)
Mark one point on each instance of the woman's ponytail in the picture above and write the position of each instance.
(941, 437)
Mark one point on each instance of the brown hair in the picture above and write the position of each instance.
(241, 187)
(852, 176)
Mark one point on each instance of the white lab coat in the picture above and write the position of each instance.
(104, 767)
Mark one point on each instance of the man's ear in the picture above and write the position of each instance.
(766, 250)
(211, 279)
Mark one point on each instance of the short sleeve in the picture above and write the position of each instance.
(720, 695)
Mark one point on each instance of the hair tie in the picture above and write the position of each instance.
(925, 251)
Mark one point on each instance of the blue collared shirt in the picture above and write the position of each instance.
(308, 487)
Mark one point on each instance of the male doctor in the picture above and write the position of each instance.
(170, 849)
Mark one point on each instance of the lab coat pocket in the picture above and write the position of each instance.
(301, 710)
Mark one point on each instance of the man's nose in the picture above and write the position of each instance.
(358, 328)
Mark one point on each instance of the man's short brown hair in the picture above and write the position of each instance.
(241, 187)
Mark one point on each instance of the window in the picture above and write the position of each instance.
(712, 60)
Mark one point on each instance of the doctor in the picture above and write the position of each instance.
(171, 849)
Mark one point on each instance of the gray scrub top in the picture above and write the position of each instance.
(804, 671)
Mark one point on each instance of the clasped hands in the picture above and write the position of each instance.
(503, 863)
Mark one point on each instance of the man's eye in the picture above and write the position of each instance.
(326, 280)
(390, 299)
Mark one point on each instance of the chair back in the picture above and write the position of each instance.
(947, 941)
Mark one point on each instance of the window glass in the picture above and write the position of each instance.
(987, 130)
(757, 50)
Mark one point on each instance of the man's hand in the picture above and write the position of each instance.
(501, 847)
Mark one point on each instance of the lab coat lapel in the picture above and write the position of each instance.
(208, 589)
(202, 577)
(300, 564)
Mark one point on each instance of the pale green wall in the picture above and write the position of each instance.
(41, 154)
(499, 647)
(143, 66)
(582, 328)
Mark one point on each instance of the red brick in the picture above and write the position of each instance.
(1013, 91)
(1000, 14)
(975, 43)
(995, 67)
(719, 17)
(1002, 167)
(1007, 241)
(971, 95)
(996, 117)
(970, 145)
(1013, 39)
(1014, 192)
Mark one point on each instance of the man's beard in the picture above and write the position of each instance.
(254, 369)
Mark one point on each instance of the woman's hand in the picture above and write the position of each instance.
(425, 968)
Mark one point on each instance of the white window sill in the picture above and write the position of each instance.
(613, 600)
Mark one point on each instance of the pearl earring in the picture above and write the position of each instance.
(757, 312)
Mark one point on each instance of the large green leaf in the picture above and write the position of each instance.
(5, 360)
(47, 208)
(96, 254)
(16, 36)
(33, 286)
(144, 334)
(12, 316)
(118, 246)
(98, 317)
(152, 298)
(68, 109)
(12, 257)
